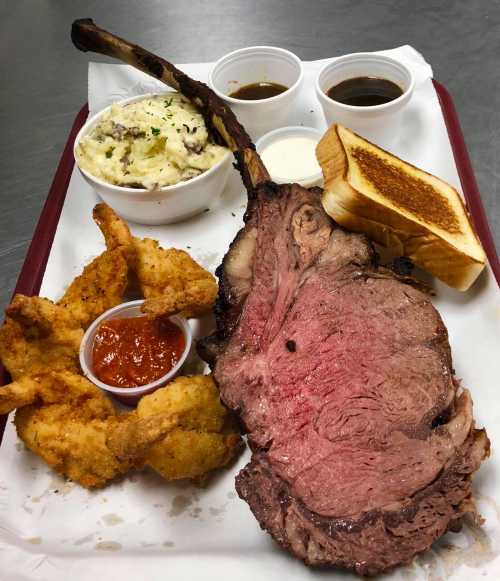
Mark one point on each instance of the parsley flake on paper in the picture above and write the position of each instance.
(155, 131)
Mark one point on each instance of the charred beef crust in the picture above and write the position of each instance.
(227, 308)
(402, 266)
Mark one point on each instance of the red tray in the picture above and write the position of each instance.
(33, 269)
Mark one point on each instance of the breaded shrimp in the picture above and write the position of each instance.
(170, 280)
(101, 286)
(181, 430)
(207, 437)
(65, 419)
(38, 336)
(114, 229)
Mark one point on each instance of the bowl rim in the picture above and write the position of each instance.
(256, 102)
(370, 56)
(125, 189)
(292, 129)
(88, 336)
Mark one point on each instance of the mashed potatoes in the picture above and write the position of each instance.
(157, 141)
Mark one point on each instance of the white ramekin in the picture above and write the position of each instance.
(130, 395)
(379, 123)
(256, 64)
(166, 204)
(308, 181)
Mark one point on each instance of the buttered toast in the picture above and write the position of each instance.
(399, 206)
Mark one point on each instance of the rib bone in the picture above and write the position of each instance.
(87, 36)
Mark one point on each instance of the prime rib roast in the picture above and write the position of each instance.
(363, 442)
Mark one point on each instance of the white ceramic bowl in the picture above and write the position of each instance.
(256, 64)
(130, 395)
(166, 204)
(308, 181)
(378, 123)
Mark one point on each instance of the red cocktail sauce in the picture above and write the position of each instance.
(135, 351)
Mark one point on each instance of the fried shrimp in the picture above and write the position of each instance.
(100, 287)
(170, 280)
(38, 336)
(65, 419)
(207, 436)
(181, 431)
(115, 230)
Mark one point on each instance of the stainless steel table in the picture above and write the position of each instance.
(43, 82)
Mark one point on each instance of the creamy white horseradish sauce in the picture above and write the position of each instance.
(291, 158)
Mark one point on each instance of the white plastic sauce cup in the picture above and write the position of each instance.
(306, 180)
(130, 395)
(256, 64)
(377, 123)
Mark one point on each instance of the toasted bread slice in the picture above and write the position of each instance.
(399, 206)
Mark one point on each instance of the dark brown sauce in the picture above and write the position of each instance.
(365, 91)
(257, 91)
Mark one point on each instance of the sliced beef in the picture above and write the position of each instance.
(340, 371)
(375, 541)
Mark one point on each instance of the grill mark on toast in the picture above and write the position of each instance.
(406, 191)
